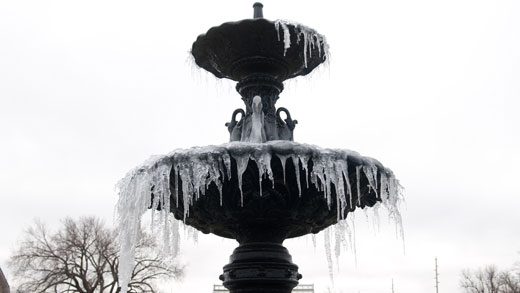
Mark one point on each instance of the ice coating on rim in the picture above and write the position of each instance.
(198, 167)
(312, 40)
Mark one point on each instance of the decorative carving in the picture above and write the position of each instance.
(273, 126)
(256, 131)
(234, 126)
(285, 129)
(266, 89)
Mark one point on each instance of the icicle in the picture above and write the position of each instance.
(176, 192)
(354, 237)
(344, 167)
(263, 162)
(339, 211)
(305, 44)
(371, 174)
(241, 168)
(328, 176)
(328, 253)
(343, 238)
(339, 183)
(283, 160)
(286, 34)
(260, 175)
(338, 235)
(384, 188)
(227, 164)
(311, 39)
(319, 43)
(319, 171)
(377, 219)
(296, 164)
(358, 183)
(305, 165)
(134, 200)
(167, 244)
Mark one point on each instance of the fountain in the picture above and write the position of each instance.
(262, 187)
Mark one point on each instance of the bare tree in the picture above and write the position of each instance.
(83, 257)
(490, 280)
(509, 282)
(481, 281)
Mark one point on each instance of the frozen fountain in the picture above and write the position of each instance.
(262, 187)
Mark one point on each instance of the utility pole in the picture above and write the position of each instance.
(436, 277)
(393, 285)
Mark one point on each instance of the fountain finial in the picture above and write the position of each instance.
(258, 13)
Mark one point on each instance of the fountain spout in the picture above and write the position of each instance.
(258, 13)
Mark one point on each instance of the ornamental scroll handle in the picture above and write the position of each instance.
(235, 127)
(285, 129)
(240, 130)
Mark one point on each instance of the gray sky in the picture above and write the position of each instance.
(90, 89)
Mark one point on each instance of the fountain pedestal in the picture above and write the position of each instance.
(260, 267)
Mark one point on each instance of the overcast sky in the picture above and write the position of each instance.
(90, 89)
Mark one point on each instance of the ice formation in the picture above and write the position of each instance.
(198, 167)
(312, 40)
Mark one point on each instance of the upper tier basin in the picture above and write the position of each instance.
(237, 50)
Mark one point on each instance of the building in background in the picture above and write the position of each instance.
(304, 288)
(4, 286)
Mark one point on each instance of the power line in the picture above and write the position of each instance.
(436, 277)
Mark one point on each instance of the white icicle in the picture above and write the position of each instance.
(312, 40)
(344, 165)
(338, 235)
(297, 173)
(328, 253)
(339, 183)
(175, 191)
(358, 183)
(305, 165)
(305, 45)
(352, 218)
(286, 34)
(283, 160)
(241, 168)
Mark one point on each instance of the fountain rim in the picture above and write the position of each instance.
(279, 61)
(281, 150)
(274, 147)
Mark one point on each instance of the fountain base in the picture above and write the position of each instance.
(260, 267)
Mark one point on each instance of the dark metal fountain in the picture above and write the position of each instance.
(250, 52)
(281, 189)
